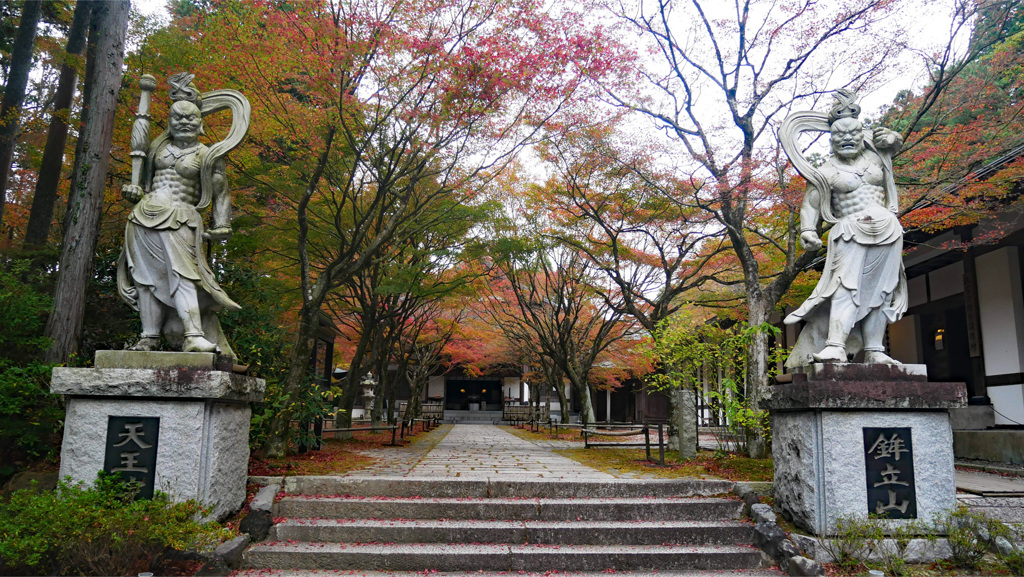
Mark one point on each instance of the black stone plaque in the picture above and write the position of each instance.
(131, 450)
(889, 465)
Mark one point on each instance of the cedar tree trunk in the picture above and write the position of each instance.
(105, 58)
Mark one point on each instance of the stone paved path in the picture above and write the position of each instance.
(399, 461)
(480, 451)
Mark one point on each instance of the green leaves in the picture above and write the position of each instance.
(77, 530)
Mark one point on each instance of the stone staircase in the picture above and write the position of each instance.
(472, 417)
(365, 524)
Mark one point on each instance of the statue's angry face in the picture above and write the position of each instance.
(186, 121)
(847, 137)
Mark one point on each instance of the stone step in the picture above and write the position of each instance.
(518, 532)
(355, 573)
(475, 557)
(503, 487)
(525, 509)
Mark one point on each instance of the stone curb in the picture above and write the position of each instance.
(991, 468)
(231, 551)
(264, 480)
(776, 544)
(263, 500)
(259, 522)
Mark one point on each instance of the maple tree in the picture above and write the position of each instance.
(400, 106)
(719, 88)
(393, 310)
(961, 166)
(609, 204)
(555, 306)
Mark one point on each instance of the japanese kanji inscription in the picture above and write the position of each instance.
(131, 450)
(889, 467)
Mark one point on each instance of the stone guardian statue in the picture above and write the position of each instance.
(162, 271)
(863, 287)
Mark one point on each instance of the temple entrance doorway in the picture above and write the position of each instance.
(467, 394)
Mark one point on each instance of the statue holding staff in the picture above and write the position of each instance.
(863, 287)
(162, 271)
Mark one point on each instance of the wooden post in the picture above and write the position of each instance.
(661, 444)
(647, 440)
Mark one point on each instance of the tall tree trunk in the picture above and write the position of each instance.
(41, 216)
(379, 396)
(14, 93)
(565, 411)
(535, 391)
(586, 406)
(349, 392)
(757, 370)
(298, 371)
(105, 58)
(418, 378)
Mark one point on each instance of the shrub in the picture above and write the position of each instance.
(99, 530)
(854, 541)
(892, 554)
(1011, 554)
(969, 535)
(30, 417)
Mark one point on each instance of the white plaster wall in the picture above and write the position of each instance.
(1009, 401)
(947, 281)
(917, 291)
(510, 387)
(1002, 311)
(435, 387)
(903, 345)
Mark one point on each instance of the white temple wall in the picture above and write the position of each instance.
(1002, 311)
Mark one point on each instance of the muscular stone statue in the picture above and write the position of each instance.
(162, 271)
(863, 286)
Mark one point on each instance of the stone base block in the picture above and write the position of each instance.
(854, 440)
(820, 464)
(972, 418)
(202, 450)
(184, 429)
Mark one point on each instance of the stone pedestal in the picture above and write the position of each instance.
(849, 440)
(171, 420)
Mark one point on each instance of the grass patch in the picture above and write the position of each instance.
(543, 434)
(706, 464)
(336, 456)
(988, 567)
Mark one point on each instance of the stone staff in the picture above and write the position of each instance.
(140, 139)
